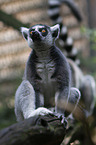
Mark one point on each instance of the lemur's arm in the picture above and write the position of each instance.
(62, 74)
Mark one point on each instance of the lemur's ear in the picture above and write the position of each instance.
(55, 31)
(24, 32)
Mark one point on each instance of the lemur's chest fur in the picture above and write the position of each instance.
(45, 70)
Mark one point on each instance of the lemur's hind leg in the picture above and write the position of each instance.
(25, 102)
(88, 93)
(73, 101)
(66, 107)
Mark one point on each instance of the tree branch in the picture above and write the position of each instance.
(11, 21)
(39, 130)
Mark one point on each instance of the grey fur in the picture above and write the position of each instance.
(87, 86)
(47, 76)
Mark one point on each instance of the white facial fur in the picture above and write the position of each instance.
(47, 41)
(54, 28)
(24, 32)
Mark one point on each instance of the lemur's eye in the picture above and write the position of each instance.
(31, 32)
(43, 31)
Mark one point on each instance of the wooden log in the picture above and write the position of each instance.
(39, 130)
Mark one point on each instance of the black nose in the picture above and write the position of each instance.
(35, 36)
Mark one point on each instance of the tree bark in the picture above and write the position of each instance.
(39, 130)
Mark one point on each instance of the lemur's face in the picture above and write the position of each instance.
(40, 35)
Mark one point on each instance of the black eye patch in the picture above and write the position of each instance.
(43, 31)
(31, 30)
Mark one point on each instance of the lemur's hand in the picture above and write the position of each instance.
(40, 111)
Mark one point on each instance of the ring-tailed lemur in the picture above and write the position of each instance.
(85, 83)
(65, 41)
(47, 77)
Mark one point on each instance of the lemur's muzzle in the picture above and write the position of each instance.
(35, 36)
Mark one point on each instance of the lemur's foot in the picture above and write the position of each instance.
(40, 111)
(62, 118)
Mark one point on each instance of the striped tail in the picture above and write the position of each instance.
(71, 4)
(65, 41)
